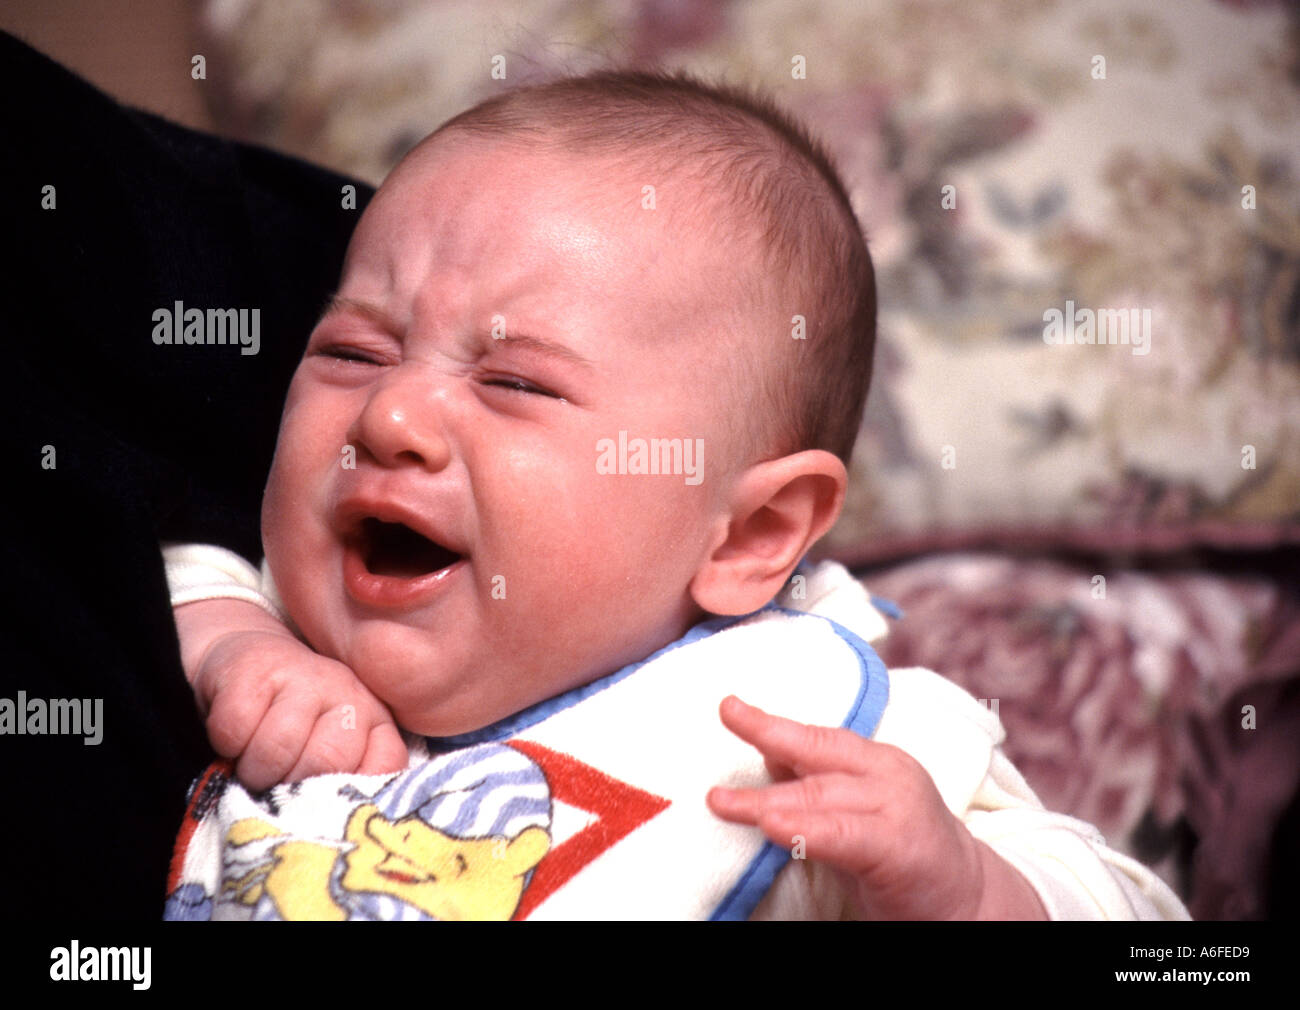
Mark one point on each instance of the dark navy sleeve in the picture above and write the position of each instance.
(146, 443)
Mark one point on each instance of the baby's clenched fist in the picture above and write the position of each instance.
(283, 711)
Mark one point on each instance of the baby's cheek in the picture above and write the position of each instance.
(290, 483)
(587, 546)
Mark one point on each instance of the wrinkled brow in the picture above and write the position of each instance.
(524, 341)
(374, 313)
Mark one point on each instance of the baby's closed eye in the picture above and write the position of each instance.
(519, 385)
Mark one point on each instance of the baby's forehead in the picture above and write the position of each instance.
(653, 177)
(674, 208)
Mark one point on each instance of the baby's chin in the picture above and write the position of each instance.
(447, 720)
(444, 685)
(463, 698)
(449, 702)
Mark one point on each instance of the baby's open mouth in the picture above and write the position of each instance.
(397, 551)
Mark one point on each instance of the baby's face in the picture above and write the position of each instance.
(435, 517)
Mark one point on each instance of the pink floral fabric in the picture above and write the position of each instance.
(1123, 695)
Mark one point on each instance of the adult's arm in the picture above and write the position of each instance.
(113, 443)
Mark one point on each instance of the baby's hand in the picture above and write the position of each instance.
(283, 710)
(873, 813)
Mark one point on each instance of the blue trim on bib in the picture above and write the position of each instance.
(863, 718)
(888, 607)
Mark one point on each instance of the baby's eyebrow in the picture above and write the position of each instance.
(524, 341)
(548, 348)
(337, 303)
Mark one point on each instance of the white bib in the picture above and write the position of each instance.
(590, 805)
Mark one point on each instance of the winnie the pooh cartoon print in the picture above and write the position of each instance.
(456, 837)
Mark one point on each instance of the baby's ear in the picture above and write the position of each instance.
(779, 509)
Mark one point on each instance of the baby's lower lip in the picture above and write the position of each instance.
(391, 591)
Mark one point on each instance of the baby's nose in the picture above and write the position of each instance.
(402, 424)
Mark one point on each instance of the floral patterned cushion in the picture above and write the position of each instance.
(1014, 162)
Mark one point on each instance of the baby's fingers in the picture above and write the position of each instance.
(234, 714)
(385, 750)
(337, 744)
(278, 741)
(817, 793)
(842, 839)
(793, 745)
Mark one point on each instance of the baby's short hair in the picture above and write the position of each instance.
(764, 162)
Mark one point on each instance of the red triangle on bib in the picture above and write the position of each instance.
(619, 810)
